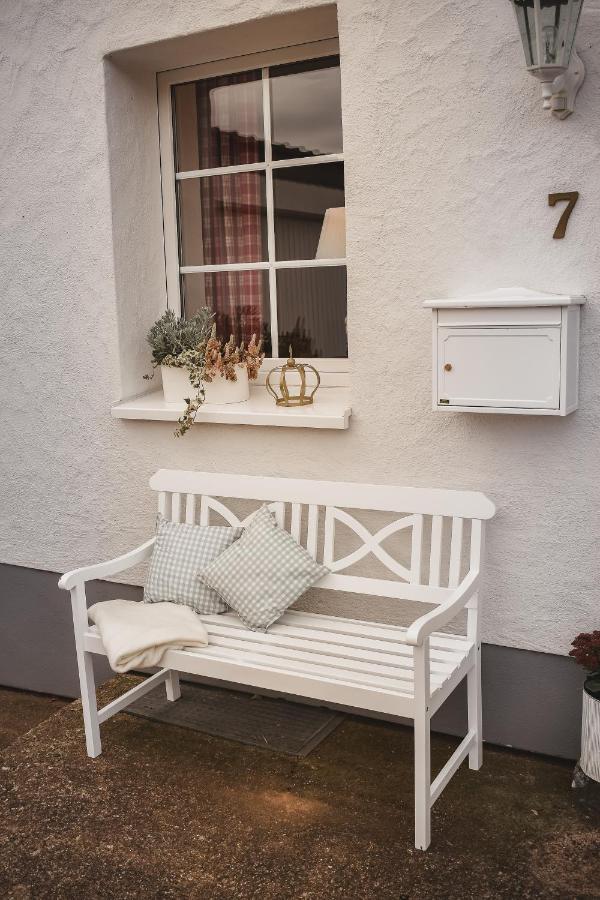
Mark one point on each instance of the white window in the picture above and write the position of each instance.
(253, 196)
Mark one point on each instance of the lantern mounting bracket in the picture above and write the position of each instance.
(565, 87)
(560, 87)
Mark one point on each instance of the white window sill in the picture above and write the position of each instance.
(331, 409)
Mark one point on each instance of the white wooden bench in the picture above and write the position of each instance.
(407, 672)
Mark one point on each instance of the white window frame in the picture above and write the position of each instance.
(333, 371)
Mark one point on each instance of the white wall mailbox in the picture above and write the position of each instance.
(511, 350)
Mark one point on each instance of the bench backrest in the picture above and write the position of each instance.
(436, 563)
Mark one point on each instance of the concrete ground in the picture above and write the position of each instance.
(20, 711)
(170, 813)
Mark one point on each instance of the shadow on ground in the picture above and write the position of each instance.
(170, 813)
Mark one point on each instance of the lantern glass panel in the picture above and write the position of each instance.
(548, 30)
(526, 22)
(570, 29)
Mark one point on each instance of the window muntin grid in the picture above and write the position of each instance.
(271, 168)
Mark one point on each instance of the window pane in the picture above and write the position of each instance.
(302, 197)
(306, 108)
(311, 311)
(219, 122)
(222, 219)
(240, 301)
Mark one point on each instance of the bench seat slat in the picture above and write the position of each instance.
(320, 655)
(240, 668)
(344, 625)
(256, 652)
(350, 658)
(357, 638)
(302, 684)
(349, 641)
(402, 660)
(347, 652)
(323, 669)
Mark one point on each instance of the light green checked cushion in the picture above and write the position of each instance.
(179, 552)
(263, 573)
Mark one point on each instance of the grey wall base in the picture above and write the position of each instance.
(37, 648)
(531, 701)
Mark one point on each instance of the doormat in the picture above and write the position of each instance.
(279, 725)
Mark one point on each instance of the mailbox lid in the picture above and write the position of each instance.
(496, 316)
(515, 367)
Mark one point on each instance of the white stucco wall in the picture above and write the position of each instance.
(449, 160)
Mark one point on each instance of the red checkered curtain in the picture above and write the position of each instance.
(230, 132)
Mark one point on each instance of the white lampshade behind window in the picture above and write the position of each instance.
(332, 243)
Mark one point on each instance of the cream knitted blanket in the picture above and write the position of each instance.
(137, 635)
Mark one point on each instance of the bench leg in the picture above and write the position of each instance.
(89, 704)
(422, 780)
(422, 748)
(172, 685)
(85, 667)
(474, 708)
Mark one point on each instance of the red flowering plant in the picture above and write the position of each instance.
(586, 652)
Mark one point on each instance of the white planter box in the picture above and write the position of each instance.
(222, 391)
(177, 386)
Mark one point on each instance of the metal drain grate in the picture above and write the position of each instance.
(248, 718)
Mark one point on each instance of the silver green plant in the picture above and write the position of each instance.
(171, 336)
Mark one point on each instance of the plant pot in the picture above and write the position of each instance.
(176, 385)
(220, 390)
(590, 736)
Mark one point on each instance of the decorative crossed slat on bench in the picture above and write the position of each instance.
(209, 504)
(371, 543)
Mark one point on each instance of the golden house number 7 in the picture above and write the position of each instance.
(570, 198)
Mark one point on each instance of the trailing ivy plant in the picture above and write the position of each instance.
(194, 361)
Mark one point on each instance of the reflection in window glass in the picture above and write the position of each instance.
(311, 311)
(219, 122)
(302, 196)
(222, 219)
(306, 108)
(240, 301)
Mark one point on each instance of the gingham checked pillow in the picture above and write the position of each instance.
(180, 550)
(263, 573)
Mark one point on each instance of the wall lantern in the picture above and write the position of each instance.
(548, 29)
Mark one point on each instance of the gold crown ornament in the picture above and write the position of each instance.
(286, 397)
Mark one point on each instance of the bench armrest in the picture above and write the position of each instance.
(104, 569)
(444, 613)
